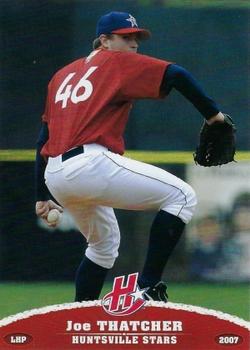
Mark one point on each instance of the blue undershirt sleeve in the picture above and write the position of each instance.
(180, 79)
(41, 191)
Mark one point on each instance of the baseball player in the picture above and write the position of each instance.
(80, 150)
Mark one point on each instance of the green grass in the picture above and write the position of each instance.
(229, 298)
(18, 297)
(232, 299)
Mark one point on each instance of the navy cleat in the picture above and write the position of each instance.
(157, 292)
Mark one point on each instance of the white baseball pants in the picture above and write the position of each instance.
(91, 184)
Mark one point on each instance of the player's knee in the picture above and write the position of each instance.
(182, 203)
(103, 257)
(191, 202)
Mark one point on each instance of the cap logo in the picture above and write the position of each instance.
(132, 20)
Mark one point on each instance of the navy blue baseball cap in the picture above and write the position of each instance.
(120, 23)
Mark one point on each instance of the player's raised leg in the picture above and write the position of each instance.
(148, 187)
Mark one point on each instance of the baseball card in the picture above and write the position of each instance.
(125, 167)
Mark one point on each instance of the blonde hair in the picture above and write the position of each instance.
(97, 42)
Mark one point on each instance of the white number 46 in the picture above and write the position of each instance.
(65, 91)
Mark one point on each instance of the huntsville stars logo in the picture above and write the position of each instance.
(124, 299)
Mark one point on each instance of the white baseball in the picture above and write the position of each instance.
(53, 216)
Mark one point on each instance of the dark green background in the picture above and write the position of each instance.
(39, 37)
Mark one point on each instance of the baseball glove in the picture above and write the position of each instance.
(217, 143)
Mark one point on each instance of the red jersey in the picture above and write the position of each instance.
(89, 100)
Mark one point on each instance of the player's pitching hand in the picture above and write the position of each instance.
(44, 207)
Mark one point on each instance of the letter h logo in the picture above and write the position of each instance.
(124, 299)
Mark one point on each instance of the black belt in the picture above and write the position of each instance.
(72, 153)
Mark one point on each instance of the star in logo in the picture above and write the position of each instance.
(132, 20)
(138, 294)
